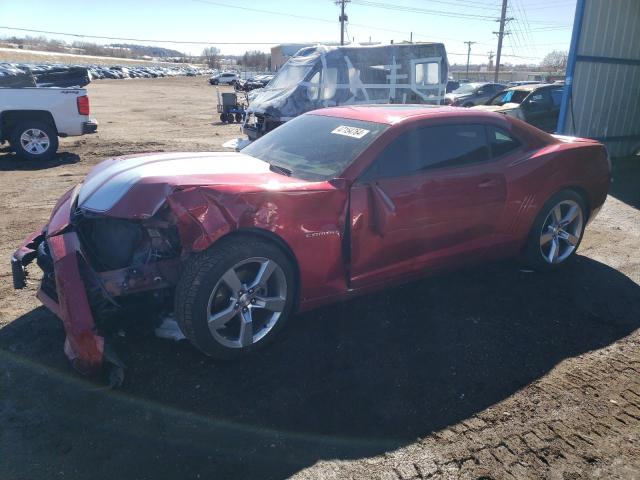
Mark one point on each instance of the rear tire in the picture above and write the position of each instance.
(235, 297)
(223, 117)
(557, 231)
(34, 140)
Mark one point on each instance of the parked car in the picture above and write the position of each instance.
(451, 86)
(537, 104)
(253, 83)
(334, 203)
(470, 94)
(33, 118)
(224, 78)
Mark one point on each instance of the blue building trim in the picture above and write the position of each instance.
(612, 60)
(571, 66)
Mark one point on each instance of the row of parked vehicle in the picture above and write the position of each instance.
(246, 85)
(102, 71)
(119, 71)
(533, 102)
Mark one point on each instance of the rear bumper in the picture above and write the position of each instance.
(83, 346)
(89, 127)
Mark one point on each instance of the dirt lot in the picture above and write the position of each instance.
(484, 373)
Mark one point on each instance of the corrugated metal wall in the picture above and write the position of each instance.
(604, 101)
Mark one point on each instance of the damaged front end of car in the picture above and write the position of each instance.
(98, 269)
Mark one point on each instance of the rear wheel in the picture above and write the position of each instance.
(238, 117)
(557, 231)
(33, 140)
(223, 117)
(235, 297)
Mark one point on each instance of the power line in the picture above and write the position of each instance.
(401, 8)
(269, 12)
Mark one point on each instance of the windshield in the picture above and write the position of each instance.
(315, 147)
(466, 88)
(510, 96)
(289, 76)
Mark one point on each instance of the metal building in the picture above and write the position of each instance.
(602, 94)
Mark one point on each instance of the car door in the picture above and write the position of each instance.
(483, 94)
(489, 92)
(551, 125)
(537, 109)
(431, 198)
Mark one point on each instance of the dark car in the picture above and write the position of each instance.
(452, 85)
(470, 94)
(537, 104)
(334, 203)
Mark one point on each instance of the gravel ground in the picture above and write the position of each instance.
(488, 372)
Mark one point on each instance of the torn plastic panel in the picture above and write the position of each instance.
(322, 76)
(101, 272)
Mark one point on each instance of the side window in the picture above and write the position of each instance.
(313, 89)
(427, 73)
(556, 96)
(431, 147)
(330, 81)
(539, 100)
(501, 142)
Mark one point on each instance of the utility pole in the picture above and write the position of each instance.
(342, 18)
(468, 55)
(503, 20)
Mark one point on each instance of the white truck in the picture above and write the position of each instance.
(32, 119)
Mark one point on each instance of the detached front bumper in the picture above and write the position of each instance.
(65, 293)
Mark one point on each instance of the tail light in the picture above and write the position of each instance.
(83, 105)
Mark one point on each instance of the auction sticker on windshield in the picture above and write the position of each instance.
(353, 132)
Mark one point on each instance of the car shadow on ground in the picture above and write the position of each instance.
(9, 161)
(347, 381)
(626, 180)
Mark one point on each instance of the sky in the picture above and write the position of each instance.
(537, 27)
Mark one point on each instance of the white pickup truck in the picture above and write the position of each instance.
(32, 119)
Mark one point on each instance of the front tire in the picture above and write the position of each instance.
(234, 298)
(33, 140)
(557, 231)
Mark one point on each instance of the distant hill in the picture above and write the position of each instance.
(150, 51)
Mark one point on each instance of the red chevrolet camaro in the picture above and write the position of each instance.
(334, 203)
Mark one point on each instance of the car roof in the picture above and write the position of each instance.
(392, 114)
(532, 86)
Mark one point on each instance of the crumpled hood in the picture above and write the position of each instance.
(137, 186)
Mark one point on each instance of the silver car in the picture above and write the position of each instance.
(470, 94)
